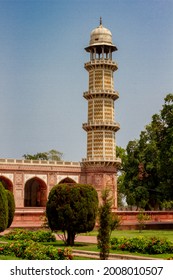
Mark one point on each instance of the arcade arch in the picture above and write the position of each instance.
(35, 193)
(67, 180)
(6, 183)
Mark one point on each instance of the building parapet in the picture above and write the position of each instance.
(38, 162)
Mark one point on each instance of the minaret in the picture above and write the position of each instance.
(101, 162)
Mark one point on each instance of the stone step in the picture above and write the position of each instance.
(95, 255)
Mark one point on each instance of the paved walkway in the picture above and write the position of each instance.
(82, 238)
(86, 238)
(4, 232)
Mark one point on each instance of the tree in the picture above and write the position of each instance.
(121, 153)
(3, 208)
(105, 222)
(11, 207)
(148, 178)
(166, 148)
(50, 155)
(72, 208)
(55, 155)
(142, 217)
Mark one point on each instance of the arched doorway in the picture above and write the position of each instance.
(6, 183)
(67, 180)
(35, 193)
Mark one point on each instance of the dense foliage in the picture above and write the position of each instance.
(11, 207)
(145, 245)
(3, 208)
(147, 178)
(31, 250)
(50, 155)
(37, 236)
(26, 244)
(72, 208)
(107, 222)
(103, 237)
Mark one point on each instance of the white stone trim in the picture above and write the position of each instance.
(27, 177)
(61, 177)
(8, 176)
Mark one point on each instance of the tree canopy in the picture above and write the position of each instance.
(147, 163)
(72, 208)
(50, 155)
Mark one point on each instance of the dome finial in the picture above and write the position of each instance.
(100, 20)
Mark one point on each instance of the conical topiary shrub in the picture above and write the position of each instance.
(11, 207)
(3, 208)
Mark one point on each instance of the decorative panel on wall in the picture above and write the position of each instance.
(98, 109)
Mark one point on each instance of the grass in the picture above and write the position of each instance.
(82, 258)
(9, 257)
(168, 234)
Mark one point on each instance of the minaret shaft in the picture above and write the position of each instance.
(101, 165)
(101, 125)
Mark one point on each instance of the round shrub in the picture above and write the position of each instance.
(72, 209)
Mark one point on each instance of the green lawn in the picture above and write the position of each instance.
(8, 258)
(134, 233)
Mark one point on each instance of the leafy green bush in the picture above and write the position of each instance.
(37, 236)
(152, 245)
(36, 251)
(43, 236)
(16, 248)
(159, 246)
(19, 234)
(142, 217)
(31, 250)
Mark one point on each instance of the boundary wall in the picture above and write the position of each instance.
(31, 217)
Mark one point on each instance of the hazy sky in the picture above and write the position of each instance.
(42, 75)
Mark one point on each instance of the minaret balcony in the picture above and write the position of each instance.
(101, 94)
(89, 65)
(101, 125)
(104, 161)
